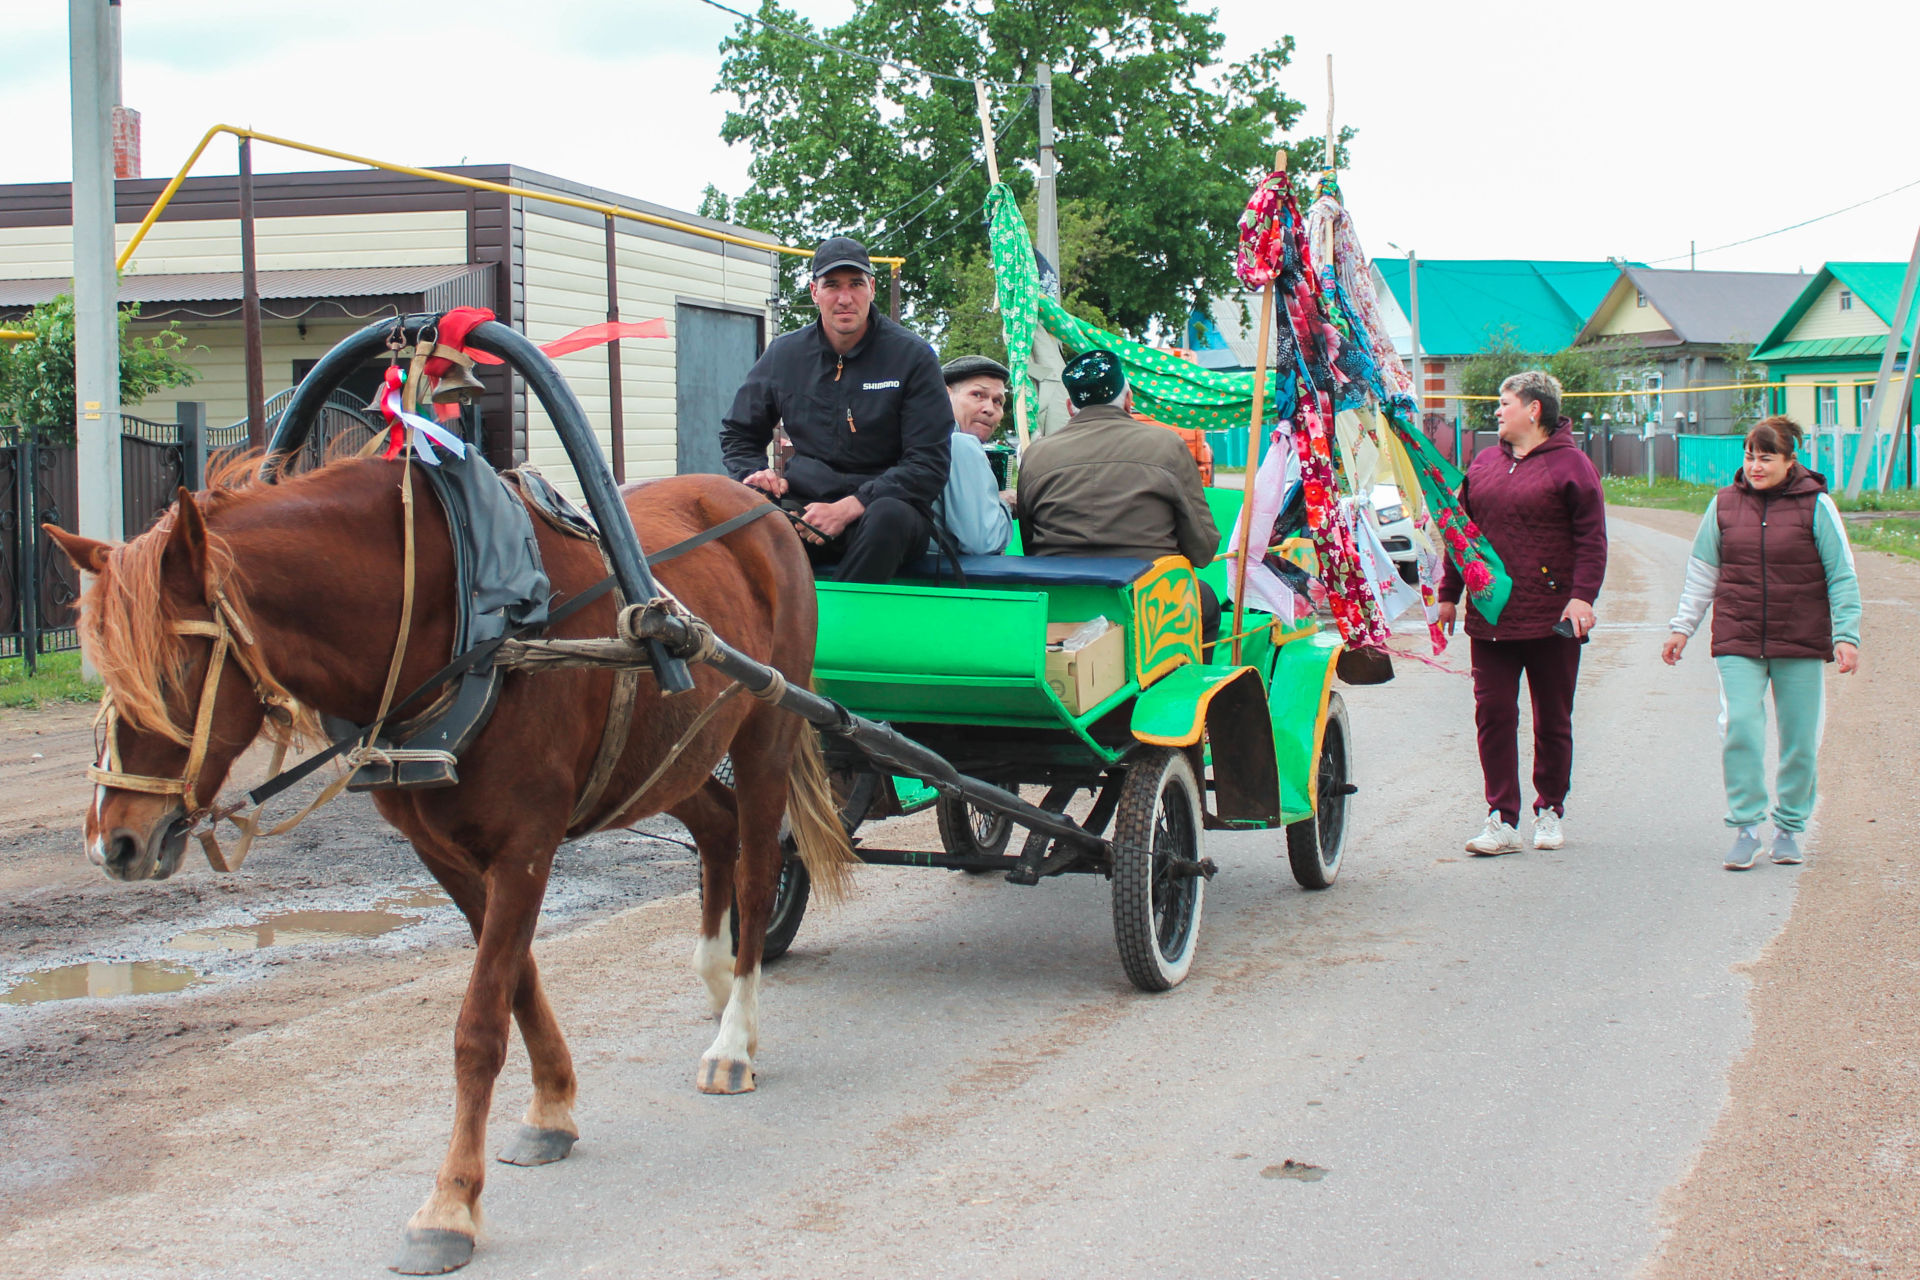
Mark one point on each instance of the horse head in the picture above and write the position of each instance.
(166, 627)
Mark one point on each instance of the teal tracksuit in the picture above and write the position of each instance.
(1799, 684)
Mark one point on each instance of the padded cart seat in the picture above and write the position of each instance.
(992, 572)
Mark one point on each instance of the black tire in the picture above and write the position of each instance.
(1409, 572)
(967, 831)
(790, 896)
(1156, 912)
(1315, 845)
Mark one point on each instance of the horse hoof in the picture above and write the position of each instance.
(725, 1075)
(532, 1146)
(432, 1251)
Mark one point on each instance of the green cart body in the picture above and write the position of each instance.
(962, 669)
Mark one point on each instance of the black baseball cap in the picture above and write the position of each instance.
(840, 251)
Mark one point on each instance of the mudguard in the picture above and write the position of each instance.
(1228, 705)
(1297, 699)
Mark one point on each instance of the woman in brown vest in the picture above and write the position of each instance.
(1773, 560)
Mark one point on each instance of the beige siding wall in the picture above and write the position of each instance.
(1825, 319)
(425, 239)
(215, 349)
(566, 288)
(1623, 314)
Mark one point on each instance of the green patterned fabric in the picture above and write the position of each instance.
(1166, 387)
(1016, 287)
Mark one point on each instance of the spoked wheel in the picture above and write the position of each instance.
(1157, 880)
(1314, 845)
(971, 832)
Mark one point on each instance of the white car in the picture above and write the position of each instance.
(1388, 512)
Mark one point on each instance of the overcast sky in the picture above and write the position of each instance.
(1524, 130)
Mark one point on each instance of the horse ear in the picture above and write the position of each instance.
(88, 554)
(189, 537)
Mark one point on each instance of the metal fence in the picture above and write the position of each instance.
(38, 586)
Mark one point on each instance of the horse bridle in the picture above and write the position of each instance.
(230, 635)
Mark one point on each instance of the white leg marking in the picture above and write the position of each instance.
(739, 1037)
(713, 961)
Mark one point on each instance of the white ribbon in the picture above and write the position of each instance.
(426, 433)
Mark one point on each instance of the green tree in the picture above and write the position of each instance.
(1503, 356)
(972, 324)
(1149, 127)
(36, 374)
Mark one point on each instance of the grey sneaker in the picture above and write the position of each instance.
(1497, 837)
(1786, 848)
(1746, 847)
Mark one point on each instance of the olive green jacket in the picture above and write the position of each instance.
(1108, 485)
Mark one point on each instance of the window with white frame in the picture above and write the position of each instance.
(1846, 299)
(1826, 405)
(1862, 399)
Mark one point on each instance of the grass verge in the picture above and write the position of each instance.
(1898, 534)
(58, 679)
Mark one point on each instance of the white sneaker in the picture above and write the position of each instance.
(1546, 830)
(1497, 837)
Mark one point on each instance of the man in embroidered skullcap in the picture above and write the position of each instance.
(1110, 485)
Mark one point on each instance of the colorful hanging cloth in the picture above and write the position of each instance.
(1354, 308)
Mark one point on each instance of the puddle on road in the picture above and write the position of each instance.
(99, 980)
(293, 928)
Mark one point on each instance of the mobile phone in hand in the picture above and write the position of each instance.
(1564, 627)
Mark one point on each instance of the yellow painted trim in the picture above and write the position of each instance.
(1320, 734)
(1200, 714)
(1162, 567)
(436, 175)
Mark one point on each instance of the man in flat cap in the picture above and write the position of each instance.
(971, 509)
(1108, 484)
(862, 400)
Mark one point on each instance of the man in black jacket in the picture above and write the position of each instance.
(866, 407)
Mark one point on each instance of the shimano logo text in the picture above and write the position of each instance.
(880, 386)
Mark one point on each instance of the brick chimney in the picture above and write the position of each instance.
(126, 142)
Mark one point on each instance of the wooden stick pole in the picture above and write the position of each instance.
(1327, 160)
(986, 131)
(1262, 341)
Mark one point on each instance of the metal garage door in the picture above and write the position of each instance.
(715, 350)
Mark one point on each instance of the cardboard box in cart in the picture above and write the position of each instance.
(1085, 677)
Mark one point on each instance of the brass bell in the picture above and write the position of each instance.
(459, 386)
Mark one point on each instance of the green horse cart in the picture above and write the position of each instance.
(1169, 741)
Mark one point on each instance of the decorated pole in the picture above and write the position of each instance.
(993, 180)
(1262, 341)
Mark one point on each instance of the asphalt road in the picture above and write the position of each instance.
(1493, 1067)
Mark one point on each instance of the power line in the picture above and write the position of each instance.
(818, 43)
(960, 171)
(1795, 227)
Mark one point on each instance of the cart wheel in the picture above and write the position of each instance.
(967, 831)
(1157, 887)
(789, 906)
(1314, 845)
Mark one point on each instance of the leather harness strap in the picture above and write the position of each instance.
(227, 624)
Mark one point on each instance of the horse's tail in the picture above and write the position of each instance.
(815, 821)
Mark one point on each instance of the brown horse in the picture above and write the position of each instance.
(302, 583)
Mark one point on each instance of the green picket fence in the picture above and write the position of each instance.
(1715, 459)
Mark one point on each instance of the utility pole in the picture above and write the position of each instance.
(1419, 367)
(1049, 230)
(95, 302)
(1870, 428)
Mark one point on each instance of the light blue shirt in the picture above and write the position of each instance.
(969, 508)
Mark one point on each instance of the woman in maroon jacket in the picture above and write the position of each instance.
(1538, 500)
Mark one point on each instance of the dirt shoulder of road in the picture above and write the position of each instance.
(1811, 1169)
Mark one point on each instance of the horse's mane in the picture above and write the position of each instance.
(127, 617)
